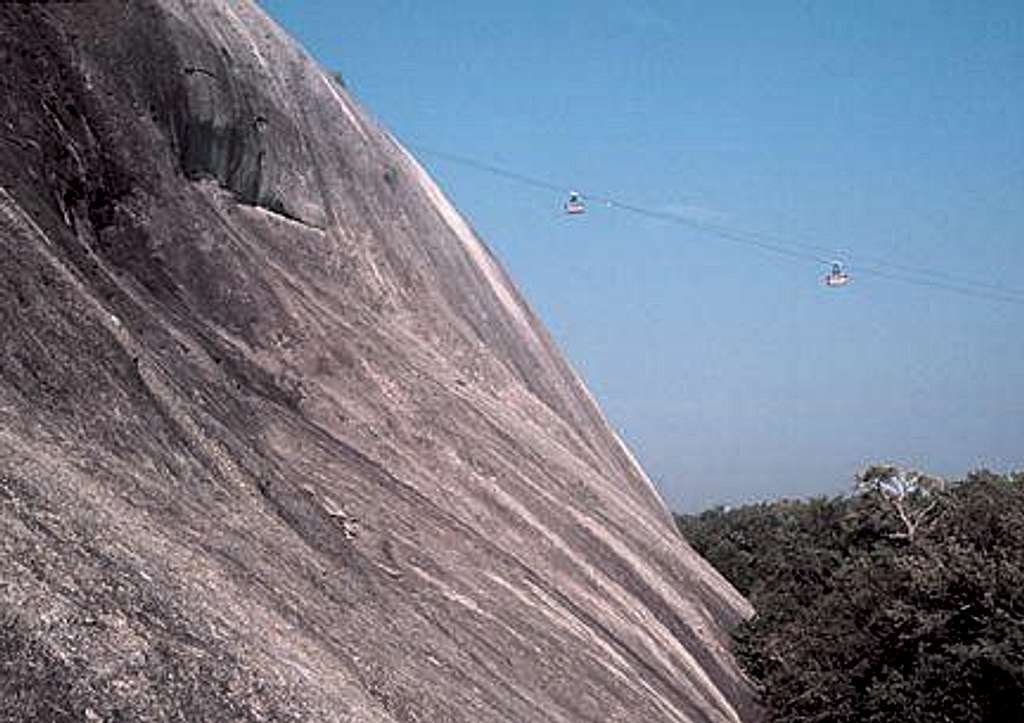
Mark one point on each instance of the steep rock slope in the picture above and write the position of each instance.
(278, 437)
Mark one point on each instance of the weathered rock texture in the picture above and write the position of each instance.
(279, 439)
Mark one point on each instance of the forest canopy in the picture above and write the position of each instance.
(902, 601)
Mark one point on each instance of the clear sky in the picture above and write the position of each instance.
(881, 129)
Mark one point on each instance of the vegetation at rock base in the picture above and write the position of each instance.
(903, 601)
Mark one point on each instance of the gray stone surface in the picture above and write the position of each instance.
(279, 439)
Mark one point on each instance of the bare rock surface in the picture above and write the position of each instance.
(279, 439)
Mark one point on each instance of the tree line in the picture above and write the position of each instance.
(902, 601)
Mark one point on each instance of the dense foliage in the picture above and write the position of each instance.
(901, 602)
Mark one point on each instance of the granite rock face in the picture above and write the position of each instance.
(279, 439)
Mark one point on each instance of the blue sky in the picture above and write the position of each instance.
(889, 130)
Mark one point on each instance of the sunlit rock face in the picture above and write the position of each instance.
(279, 439)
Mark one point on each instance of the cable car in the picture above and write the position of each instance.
(575, 204)
(836, 277)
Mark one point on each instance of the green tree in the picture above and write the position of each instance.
(901, 602)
